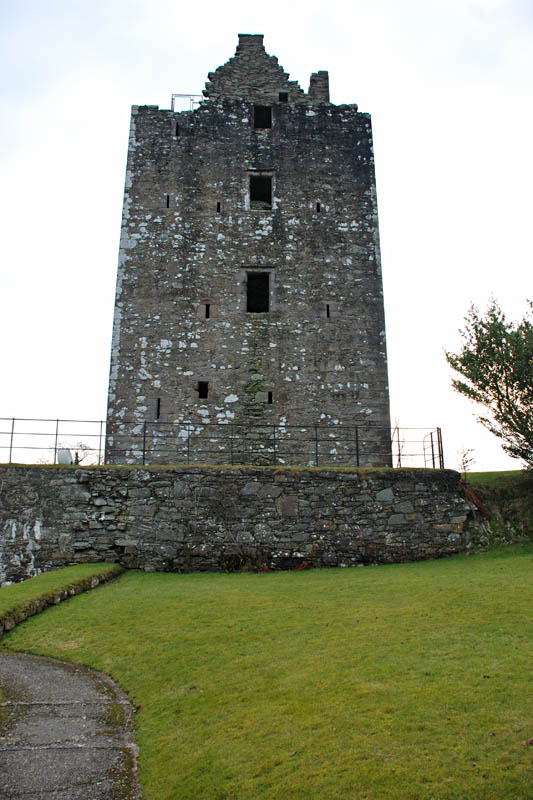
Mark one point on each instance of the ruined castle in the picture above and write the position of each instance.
(249, 292)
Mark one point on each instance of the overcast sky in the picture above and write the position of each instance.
(449, 87)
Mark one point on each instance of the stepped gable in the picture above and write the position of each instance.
(255, 76)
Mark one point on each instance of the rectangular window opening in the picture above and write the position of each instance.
(261, 191)
(168, 201)
(207, 310)
(177, 129)
(258, 292)
(219, 208)
(203, 389)
(318, 208)
(270, 398)
(283, 97)
(327, 310)
(262, 117)
(158, 408)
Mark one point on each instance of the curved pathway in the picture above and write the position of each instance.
(65, 733)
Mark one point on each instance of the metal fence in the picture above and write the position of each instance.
(46, 441)
(185, 102)
(41, 441)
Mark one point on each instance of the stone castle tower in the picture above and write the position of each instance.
(249, 290)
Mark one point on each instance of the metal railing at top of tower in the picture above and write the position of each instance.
(93, 442)
(185, 102)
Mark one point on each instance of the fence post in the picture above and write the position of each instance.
(55, 442)
(357, 445)
(100, 457)
(432, 450)
(144, 442)
(11, 440)
(440, 448)
(399, 449)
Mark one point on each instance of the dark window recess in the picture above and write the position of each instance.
(318, 208)
(177, 129)
(208, 310)
(168, 201)
(261, 191)
(327, 310)
(158, 408)
(219, 208)
(257, 292)
(270, 398)
(203, 389)
(283, 97)
(262, 117)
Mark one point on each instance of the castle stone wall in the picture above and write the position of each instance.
(227, 518)
(217, 198)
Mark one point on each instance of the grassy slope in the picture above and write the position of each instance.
(404, 681)
(508, 496)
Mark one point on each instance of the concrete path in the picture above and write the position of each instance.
(65, 733)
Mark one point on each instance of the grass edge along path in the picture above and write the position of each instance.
(18, 601)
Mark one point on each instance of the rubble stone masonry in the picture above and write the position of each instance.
(194, 518)
(249, 283)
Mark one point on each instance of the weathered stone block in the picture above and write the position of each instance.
(287, 505)
(397, 519)
(406, 507)
(269, 490)
(251, 489)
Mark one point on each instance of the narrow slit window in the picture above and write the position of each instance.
(207, 310)
(258, 292)
(261, 191)
(203, 390)
(283, 97)
(269, 398)
(177, 132)
(318, 208)
(219, 208)
(158, 408)
(327, 311)
(168, 201)
(262, 117)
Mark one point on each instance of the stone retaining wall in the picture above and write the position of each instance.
(201, 518)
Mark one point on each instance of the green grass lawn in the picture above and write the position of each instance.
(403, 681)
(505, 481)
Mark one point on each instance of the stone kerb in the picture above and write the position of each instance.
(193, 518)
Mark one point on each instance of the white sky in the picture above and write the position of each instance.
(448, 84)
